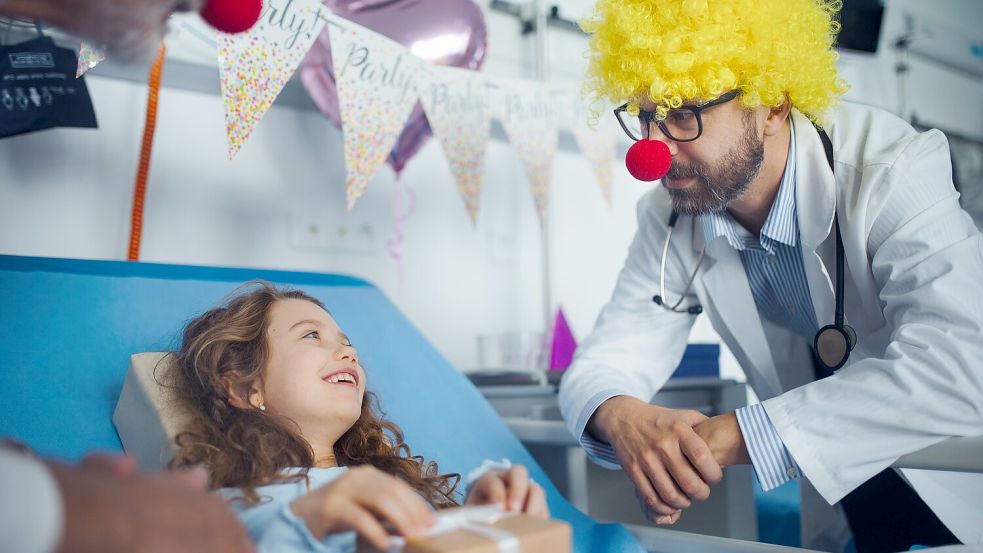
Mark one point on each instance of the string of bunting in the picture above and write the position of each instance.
(379, 82)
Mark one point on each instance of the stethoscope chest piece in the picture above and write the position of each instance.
(833, 344)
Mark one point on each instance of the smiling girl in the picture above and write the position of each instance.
(288, 431)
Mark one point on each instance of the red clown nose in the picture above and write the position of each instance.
(232, 16)
(648, 160)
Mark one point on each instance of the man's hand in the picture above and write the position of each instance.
(657, 447)
(110, 507)
(723, 434)
(129, 29)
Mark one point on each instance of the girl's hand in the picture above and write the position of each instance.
(363, 499)
(512, 488)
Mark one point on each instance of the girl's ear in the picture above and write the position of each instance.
(241, 398)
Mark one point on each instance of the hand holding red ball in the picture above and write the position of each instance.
(131, 30)
(232, 16)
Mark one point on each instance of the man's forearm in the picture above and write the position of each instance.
(723, 435)
(53, 12)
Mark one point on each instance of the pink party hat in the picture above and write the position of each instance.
(564, 344)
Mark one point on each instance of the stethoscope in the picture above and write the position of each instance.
(832, 344)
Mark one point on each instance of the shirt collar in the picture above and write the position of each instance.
(781, 226)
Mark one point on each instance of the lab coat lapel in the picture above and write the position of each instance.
(815, 200)
(815, 197)
(729, 294)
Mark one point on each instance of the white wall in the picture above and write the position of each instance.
(937, 95)
(67, 193)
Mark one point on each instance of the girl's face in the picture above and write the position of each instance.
(313, 376)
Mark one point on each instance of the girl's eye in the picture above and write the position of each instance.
(313, 333)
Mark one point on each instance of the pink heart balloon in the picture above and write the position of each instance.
(447, 32)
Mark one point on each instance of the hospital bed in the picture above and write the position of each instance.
(70, 326)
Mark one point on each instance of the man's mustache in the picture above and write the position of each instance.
(678, 171)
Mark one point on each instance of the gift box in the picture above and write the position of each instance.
(484, 529)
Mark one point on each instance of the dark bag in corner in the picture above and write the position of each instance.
(38, 89)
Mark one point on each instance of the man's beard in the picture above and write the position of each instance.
(717, 186)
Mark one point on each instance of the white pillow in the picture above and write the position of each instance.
(147, 415)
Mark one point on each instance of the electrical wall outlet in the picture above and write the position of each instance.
(329, 232)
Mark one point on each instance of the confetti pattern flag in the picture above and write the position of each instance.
(457, 108)
(254, 66)
(89, 57)
(525, 109)
(598, 146)
(376, 80)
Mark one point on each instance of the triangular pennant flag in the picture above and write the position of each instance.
(564, 344)
(376, 80)
(89, 57)
(567, 106)
(526, 112)
(255, 65)
(456, 105)
(598, 146)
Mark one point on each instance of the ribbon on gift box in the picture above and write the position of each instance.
(477, 520)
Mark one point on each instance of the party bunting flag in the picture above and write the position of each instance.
(456, 104)
(376, 80)
(596, 143)
(598, 147)
(255, 65)
(89, 57)
(526, 111)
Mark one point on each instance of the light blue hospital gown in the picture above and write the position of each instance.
(276, 529)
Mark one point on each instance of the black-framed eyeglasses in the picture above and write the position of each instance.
(682, 124)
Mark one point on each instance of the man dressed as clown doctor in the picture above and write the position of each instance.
(825, 243)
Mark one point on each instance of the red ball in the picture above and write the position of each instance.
(648, 160)
(232, 16)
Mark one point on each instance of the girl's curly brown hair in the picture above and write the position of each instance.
(246, 448)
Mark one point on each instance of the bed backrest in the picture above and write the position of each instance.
(68, 327)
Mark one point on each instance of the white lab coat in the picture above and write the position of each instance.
(914, 295)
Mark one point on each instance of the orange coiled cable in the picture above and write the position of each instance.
(149, 126)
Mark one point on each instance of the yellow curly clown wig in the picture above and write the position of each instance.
(679, 50)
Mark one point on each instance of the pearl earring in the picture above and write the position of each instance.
(262, 407)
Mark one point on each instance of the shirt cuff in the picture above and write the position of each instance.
(31, 512)
(290, 533)
(600, 452)
(772, 462)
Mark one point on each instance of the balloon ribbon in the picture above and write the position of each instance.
(143, 169)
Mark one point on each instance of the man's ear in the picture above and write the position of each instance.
(240, 397)
(777, 117)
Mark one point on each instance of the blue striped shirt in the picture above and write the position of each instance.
(776, 275)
